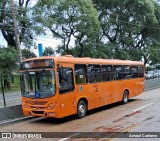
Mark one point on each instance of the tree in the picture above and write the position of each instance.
(127, 23)
(48, 51)
(67, 20)
(154, 55)
(154, 50)
(8, 59)
(24, 22)
(27, 54)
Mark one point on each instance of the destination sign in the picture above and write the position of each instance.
(34, 64)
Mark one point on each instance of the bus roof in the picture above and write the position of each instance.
(87, 60)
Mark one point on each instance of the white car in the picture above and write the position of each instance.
(152, 75)
(149, 75)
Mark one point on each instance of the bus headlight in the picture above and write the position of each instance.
(52, 106)
(25, 105)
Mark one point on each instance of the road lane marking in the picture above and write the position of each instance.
(69, 137)
(143, 107)
(14, 120)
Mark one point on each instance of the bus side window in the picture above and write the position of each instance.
(134, 71)
(140, 71)
(126, 72)
(80, 71)
(94, 73)
(66, 82)
(117, 72)
(106, 73)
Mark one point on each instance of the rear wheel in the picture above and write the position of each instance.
(125, 97)
(81, 109)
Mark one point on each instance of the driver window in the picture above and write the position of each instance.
(66, 83)
(45, 81)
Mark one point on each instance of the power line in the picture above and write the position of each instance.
(42, 40)
(139, 25)
(47, 37)
(152, 25)
(119, 49)
(154, 40)
(10, 29)
(118, 20)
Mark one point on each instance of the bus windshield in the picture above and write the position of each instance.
(38, 84)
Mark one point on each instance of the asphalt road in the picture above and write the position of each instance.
(152, 83)
(141, 114)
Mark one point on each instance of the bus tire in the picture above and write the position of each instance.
(125, 97)
(81, 109)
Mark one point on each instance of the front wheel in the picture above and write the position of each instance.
(81, 109)
(125, 97)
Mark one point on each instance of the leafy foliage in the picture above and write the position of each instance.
(48, 51)
(128, 24)
(8, 59)
(27, 54)
(68, 19)
(24, 22)
(154, 55)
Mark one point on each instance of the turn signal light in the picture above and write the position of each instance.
(25, 106)
(52, 106)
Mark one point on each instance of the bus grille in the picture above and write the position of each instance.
(38, 112)
(39, 108)
(34, 102)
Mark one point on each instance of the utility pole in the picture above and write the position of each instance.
(12, 5)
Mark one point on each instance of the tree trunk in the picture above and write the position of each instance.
(7, 83)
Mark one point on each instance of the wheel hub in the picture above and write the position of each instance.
(81, 109)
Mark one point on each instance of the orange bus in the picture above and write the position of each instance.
(62, 86)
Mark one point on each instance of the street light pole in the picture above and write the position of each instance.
(16, 32)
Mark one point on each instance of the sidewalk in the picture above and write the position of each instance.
(11, 98)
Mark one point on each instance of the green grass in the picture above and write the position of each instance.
(16, 80)
(13, 89)
(14, 86)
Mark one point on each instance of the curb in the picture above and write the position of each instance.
(152, 88)
(6, 122)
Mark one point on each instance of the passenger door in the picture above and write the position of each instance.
(95, 85)
(67, 92)
(107, 84)
(118, 83)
